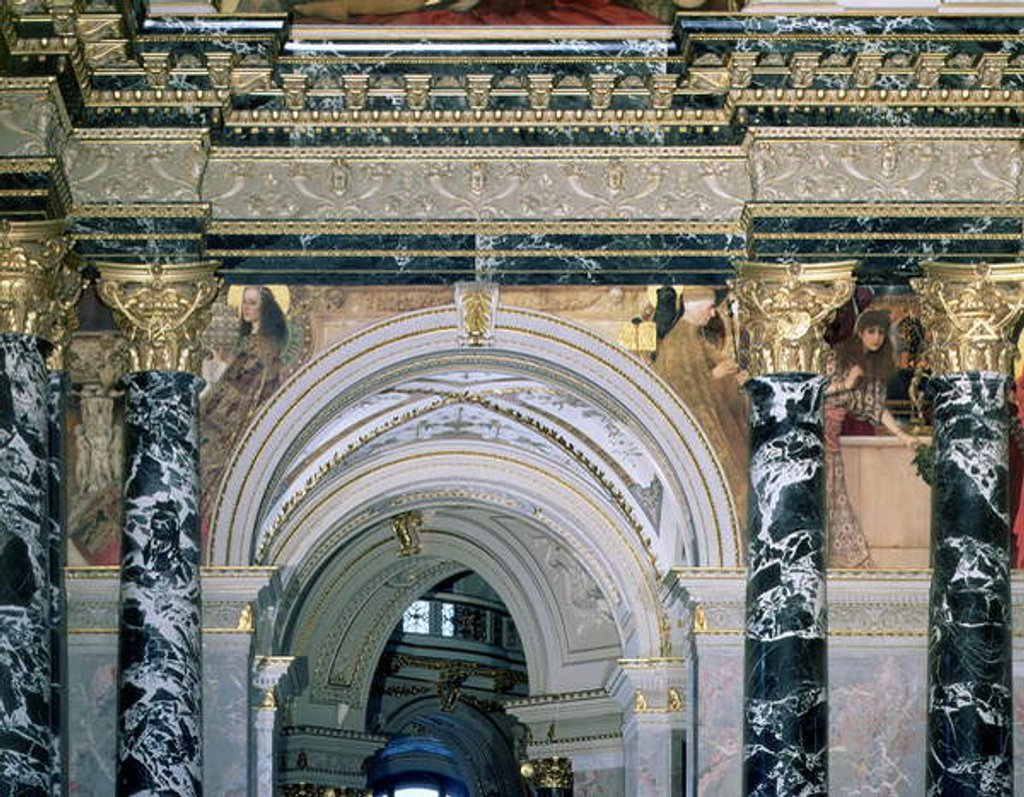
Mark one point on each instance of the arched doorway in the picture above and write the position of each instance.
(550, 464)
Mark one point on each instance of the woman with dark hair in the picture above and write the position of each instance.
(858, 375)
(249, 379)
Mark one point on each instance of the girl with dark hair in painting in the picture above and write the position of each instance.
(249, 379)
(858, 375)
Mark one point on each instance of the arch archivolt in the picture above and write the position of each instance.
(551, 463)
(359, 597)
(302, 431)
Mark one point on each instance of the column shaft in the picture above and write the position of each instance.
(970, 703)
(160, 683)
(26, 752)
(57, 540)
(785, 746)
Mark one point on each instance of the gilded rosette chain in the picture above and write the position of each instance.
(39, 283)
(162, 310)
(969, 313)
(784, 308)
(549, 773)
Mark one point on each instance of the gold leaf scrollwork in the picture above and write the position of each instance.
(39, 283)
(784, 307)
(161, 309)
(969, 312)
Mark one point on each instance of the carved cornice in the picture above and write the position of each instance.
(161, 309)
(785, 307)
(39, 284)
(970, 312)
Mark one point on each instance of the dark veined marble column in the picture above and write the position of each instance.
(161, 309)
(785, 729)
(38, 290)
(26, 745)
(56, 537)
(786, 706)
(969, 312)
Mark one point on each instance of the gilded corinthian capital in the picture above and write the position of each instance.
(784, 308)
(969, 312)
(161, 309)
(549, 773)
(39, 282)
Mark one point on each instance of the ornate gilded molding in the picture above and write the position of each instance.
(39, 284)
(970, 312)
(784, 307)
(161, 309)
(549, 773)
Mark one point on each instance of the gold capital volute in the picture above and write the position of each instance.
(784, 308)
(162, 308)
(970, 312)
(39, 282)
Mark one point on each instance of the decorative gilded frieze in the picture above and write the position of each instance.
(784, 308)
(39, 283)
(970, 312)
(28, 119)
(833, 167)
(161, 309)
(118, 167)
(519, 184)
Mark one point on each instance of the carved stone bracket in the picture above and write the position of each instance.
(161, 309)
(784, 307)
(970, 312)
(39, 283)
(277, 677)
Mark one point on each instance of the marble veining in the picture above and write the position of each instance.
(785, 748)
(159, 704)
(970, 705)
(56, 405)
(26, 751)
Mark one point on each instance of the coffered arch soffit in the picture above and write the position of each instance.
(546, 395)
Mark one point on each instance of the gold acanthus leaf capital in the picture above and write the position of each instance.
(784, 308)
(970, 312)
(549, 773)
(162, 309)
(39, 283)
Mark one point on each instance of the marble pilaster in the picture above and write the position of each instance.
(970, 313)
(161, 310)
(653, 696)
(274, 677)
(785, 729)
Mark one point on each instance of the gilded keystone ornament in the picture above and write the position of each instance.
(784, 308)
(161, 309)
(969, 312)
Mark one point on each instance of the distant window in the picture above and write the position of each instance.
(417, 791)
(448, 619)
(416, 620)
